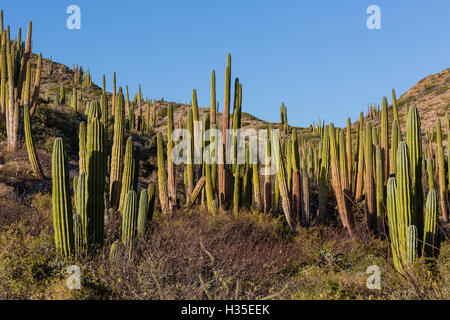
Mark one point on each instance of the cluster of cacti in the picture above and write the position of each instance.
(15, 84)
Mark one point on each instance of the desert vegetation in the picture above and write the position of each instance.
(93, 179)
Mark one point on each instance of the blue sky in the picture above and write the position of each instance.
(316, 56)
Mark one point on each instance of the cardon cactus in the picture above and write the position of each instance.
(349, 151)
(143, 213)
(324, 174)
(405, 216)
(129, 173)
(282, 182)
(360, 167)
(115, 177)
(82, 148)
(411, 244)
(395, 140)
(296, 187)
(339, 191)
(190, 154)
(96, 174)
(380, 191)
(213, 97)
(394, 223)
(368, 179)
(62, 204)
(431, 235)
(430, 171)
(414, 142)
(81, 201)
(171, 170)
(32, 155)
(394, 106)
(129, 220)
(162, 180)
(384, 142)
(267, 178)
(442, 184)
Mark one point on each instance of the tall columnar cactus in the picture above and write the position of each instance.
(96, 174)
(32, 155)
(237, 189)
(214, 152)
(368, 179)
(430, 171)
(296, 184)
(431, 236)
(324, 174)
(143, 213)
(82, 148)
(394, 106)
(405, 216)
(360, 171)
(81, 205)
(162, 180)
(223, 184)
(190, 154)
(267, 177)
(345, 180)
(282, 182)
(171, 171)
(306, 209)
(395, 140)
(129, 220)
(414, 142)
(115, 177)
(349, 151)
(210, 201)
(336, 173)
(411, 244)
(443, 193)
(129, 173)
(380, 191)
(213, 98)
(62, 204)
(247, 181)
(394, 221)
(384, 142)
(105, 111)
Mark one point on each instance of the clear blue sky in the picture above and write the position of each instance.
(316, 56)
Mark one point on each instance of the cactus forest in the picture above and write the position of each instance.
(162, 200)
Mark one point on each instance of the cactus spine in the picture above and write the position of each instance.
(62, 205)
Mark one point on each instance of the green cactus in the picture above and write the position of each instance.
(143, 213)
(162, 180)
(394, 106)
(213, 98)
(190, 154)
(380, 191)
(129, 173)
(96, 174)
(394, 223)
(324, 174)
(430, 171)
(395, 140)
(368, 179)
(114, 251)
(81, 202)
(411, 244)
(171, 171)
(384, 141)
(32, 155)
(130, 220)
(414, 142)
(115, 178)
(62, 204)
(431, 236)
(405, 216)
